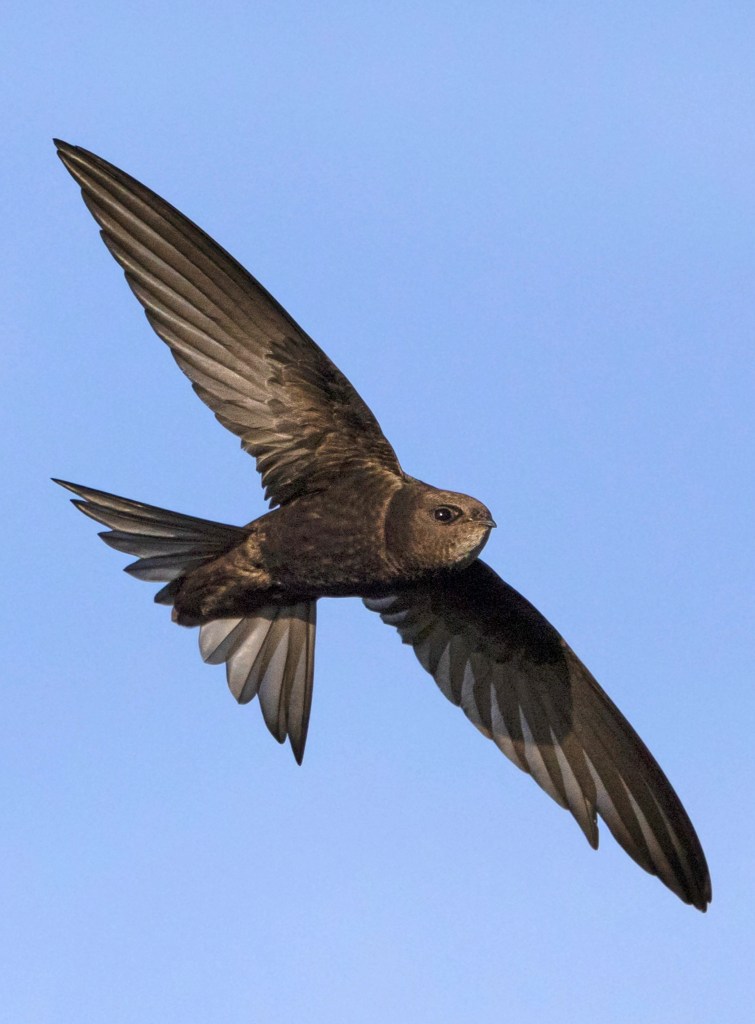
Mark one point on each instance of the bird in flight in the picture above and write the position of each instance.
(347, 521)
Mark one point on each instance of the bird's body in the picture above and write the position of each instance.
(366, 536)
(349, 521)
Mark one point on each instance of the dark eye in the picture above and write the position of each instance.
(446, 513)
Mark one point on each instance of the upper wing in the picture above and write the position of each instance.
(495, 655)
(261, 375)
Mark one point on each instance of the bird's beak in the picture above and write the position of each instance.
(488, 522)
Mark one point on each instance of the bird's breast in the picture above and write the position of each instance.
(332, 544)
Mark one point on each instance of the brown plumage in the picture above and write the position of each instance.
(347, 521)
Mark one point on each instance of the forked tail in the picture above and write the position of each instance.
(270, 652)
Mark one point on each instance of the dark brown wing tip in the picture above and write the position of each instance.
(702, 901)
(695, 891)
(701, 890)
(74, 488)
(66, 151)
(77, 160)
(697, 894)
(298, 750)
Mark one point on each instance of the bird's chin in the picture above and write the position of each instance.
(469, 556)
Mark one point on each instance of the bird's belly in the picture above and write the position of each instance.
(332, 573)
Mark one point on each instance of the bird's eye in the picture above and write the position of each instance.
(446, 513)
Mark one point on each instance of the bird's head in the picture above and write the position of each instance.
(429, 529)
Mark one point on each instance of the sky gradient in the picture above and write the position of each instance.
(526, 233)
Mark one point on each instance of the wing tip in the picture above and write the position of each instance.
(695, 892)
(66, 152)
(83, 494)
(701, 895)
(65, 483)
(592, 835)
(698, 897)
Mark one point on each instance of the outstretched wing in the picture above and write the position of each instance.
(261, 375)
(496, 657)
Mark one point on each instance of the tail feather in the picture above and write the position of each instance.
(165, 568)
(168, 544)
(269, 653)
(153, 545)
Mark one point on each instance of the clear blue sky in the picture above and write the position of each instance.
(526, 232)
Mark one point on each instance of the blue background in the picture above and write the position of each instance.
(526, 232)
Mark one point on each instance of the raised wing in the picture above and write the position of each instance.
(496, 657)
(261, 375)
